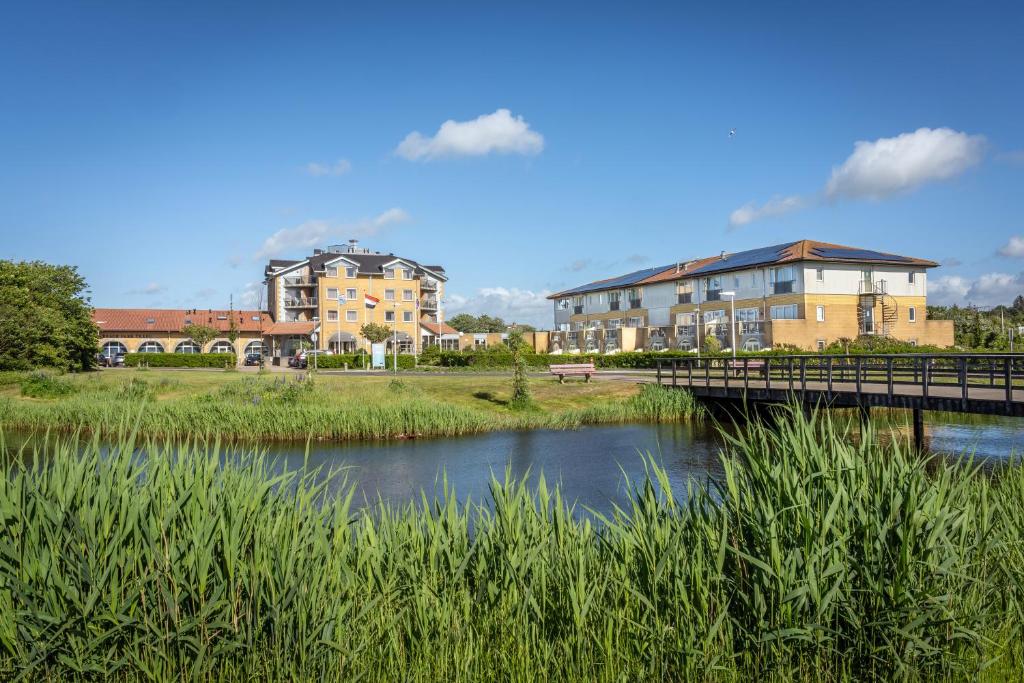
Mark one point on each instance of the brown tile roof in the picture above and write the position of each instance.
(439, 329)
(289, 328)
(173, 320)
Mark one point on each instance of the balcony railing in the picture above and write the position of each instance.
(713, 295)
(686, 330)
(298, 282)
(428, 283)
(751, 326)
(577, 309)
(634, 303)
(783, 287)
(429, 303)
(613, 305)
(872, 287)
(301, 302)
(685, 297)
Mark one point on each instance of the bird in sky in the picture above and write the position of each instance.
(732, 133)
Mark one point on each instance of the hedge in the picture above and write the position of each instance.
(355, 361)
(181, 360)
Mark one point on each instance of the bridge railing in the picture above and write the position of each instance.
(876, 373)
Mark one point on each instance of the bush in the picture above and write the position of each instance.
(180, 360)
(355, 361)
(43, 385)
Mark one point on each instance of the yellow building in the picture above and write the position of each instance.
(805, 294)
(159, 330)
(339, 289)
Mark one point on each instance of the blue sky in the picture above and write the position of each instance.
(167, 149)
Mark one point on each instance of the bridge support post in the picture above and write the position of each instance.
(918, 420)
(865, 413)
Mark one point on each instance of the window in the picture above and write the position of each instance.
(712, 316)
(406, 274)
(350, 294)
(389, 273)
(819, 274)
(783, 280)
(389, 316)
(114, 348)
(819, 313)
(256, 347)
(635, 322)
(350, 316)
(407, 316)
(634, 297)
(332, 316)
(389, 295)
(222, 347)
(910, 277)
(187, 346)
(912, 314)
(686, 318)
(786, 312)
(577, 304)
(913, 342)
(614, 323)
(151, 347)
(563, 304)
(406, 295)
(332, 272)
(821, 344)
(350, 272)
(332, 292)
(748, 315)
(736, 282)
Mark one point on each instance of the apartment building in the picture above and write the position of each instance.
(341, 288)
(805, 294)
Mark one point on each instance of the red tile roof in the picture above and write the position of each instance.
(289, 328)
(173, 320)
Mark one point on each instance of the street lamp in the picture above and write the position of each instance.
(732, 320)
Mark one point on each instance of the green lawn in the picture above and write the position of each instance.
(245, 405)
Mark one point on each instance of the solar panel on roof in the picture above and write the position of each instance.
(856, 254)
(621, 281)
(743, 259)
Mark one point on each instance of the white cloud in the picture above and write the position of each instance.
(152, 289)
(498, 132)
(316, 233)
(891, 165)
(776, 206)
(1014, 248)
(317, 169)
(509, 304)
(990, 289)
(252, 295)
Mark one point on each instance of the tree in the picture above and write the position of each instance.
(375, 332)
(1018, 303)
(520, 383)
(711, 344)
(464, 322)
(200, 334)
(45, 317)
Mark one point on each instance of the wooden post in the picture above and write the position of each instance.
(963, 383)
(888, 376)
(674, 365)
(918, 420)
(659, 370)
(1008, 379)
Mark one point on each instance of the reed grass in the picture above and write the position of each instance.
(261, 409)
(814, 557)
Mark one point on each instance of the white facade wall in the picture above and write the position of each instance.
(846, 279)
(657, 299)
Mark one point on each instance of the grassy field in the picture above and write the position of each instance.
(282, 406)
(816, 557)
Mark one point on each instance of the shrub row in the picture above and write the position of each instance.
(361, 360)
(181, 360)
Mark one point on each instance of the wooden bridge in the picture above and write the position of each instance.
(988, 384)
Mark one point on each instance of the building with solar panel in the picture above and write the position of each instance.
(804, 294)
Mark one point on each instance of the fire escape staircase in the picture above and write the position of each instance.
(874, 296)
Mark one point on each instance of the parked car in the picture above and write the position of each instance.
(253, 358)
(112, 361)
(302, 358)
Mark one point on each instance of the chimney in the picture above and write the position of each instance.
(723, 255)
(317, 252)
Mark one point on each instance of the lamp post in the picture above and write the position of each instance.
(732, 320)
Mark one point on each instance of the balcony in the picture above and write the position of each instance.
(688, 331)
(635, 303)
(872, 287)
(577, 310)
(750, 327)
(301, 302)
(613, 305)
(428, 303)
(685, 297)
(428, 284)
(298, 282)
(784, 287)
(713, 295)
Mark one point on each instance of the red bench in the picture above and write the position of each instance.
(571, 370)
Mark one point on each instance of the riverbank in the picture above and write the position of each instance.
(251, 407)
(816, 557)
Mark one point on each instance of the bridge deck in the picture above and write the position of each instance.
(992, 385)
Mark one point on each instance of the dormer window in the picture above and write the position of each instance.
(350, 272)
(332, 272)
(406, 273)
(389, 273)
